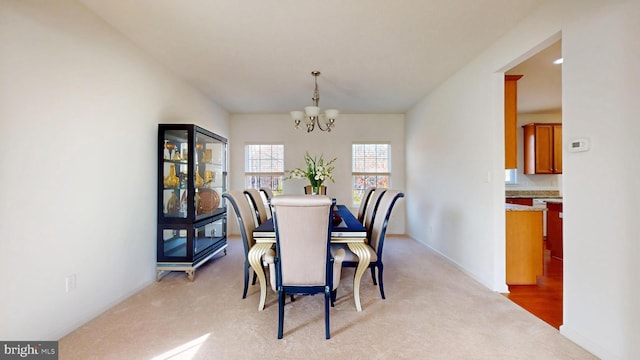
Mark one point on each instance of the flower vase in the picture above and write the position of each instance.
(315, 190)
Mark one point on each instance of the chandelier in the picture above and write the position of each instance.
(311, 114)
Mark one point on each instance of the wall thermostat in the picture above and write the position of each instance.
(579, 145)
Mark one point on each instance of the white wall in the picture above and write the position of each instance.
(79, 108)
(350, 128)
(462, 215)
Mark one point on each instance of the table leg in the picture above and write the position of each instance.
(364, 258)
(256, 253)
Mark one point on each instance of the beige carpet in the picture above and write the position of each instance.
(432, 311)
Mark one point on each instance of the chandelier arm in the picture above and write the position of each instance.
(328, 128)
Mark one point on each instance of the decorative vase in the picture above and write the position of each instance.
(209, 177)
(171, 180)
(209, 200)
(173, 204)
(315, 190)
(198, 204)
(199, 180)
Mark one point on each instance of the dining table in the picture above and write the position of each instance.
(348, 231)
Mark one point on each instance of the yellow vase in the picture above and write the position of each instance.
(171, 180)
(199, 179)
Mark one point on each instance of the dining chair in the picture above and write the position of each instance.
(268, 194)
(259, 207)
(363, 203)
(370, 211)
(245, 216)
(303, 264)
(385, 204)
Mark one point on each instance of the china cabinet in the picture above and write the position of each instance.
(192, 218)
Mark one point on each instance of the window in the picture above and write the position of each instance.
(264, 166)
(511, 176)
(371, 165)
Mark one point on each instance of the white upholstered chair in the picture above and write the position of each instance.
(245, 215)
(303, 264)
(385, 204)
(370, 211)
(363, 203)
(268, 194)
(258, 204)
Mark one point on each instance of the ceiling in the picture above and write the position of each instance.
(540, 88)
(256, 56)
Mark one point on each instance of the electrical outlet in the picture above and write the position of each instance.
(70, 282)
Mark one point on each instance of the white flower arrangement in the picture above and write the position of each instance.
(317, 170)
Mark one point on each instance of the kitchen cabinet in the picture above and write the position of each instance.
(511, 121)
(520, 201)
(554, 228)
(524, 247)
(191, 213)
(542, 148)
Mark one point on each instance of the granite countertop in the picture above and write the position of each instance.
(534, 194)
(554, 201)
(516, 207)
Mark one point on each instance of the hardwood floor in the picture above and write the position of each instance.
(544, 299)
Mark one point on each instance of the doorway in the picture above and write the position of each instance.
(539, 101)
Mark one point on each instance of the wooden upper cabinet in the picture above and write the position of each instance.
(511, 121)
(557, 148)
(542, 148)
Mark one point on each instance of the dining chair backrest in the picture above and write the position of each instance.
(363, 203)
(371, 208)
(303, 234)
(259, 207)
(268, 195)
(304, 264)
(245, 216)
(379, 227)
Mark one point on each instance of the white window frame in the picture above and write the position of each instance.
(249, 176)
(385, 173)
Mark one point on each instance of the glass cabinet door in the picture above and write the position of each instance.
(193, 173)
(210, 176)
(175, 173)
(190, 242)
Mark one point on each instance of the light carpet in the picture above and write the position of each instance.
(432, 311)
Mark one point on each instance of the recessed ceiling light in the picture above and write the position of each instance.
(557, 61)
